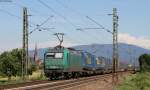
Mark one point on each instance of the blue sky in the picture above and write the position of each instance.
(134, 18)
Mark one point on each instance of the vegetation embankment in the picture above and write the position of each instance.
(10, 68)
(37, 75)
(140, 80)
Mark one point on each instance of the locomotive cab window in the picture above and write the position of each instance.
(50, 55)
(58, 55)
(54, 55)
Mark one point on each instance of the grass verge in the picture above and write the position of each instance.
(139, 81)
(38, 75)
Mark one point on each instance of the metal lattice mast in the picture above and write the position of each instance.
(115, 46)
(27, 60)
(23, 47)
(25, 44)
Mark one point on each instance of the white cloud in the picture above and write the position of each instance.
(139, 41)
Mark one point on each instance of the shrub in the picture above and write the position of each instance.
(140, 81)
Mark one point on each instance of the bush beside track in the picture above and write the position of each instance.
(138, 81)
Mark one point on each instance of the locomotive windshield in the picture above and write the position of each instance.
(58, 55)
(54, 55)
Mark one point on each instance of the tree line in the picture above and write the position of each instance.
(144, 63)
(10, 63)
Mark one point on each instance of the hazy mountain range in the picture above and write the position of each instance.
(127, 53)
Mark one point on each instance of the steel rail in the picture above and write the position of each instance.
(63, 84)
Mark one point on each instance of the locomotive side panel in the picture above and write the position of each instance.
(74, 61)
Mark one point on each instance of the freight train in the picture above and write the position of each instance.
(60, 62)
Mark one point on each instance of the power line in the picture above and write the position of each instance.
(46, 20)
(78, 13)
(69, 8)
(68, 37)
(38, 26)
(102, 27)
(50, 8)
(21, 6)
(10, 14)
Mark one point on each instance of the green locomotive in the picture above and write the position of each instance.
(68, 63)
(62, 62)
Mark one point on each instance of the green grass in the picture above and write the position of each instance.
(6, 82)
(14, 80)
(38, 75)
(139, 81)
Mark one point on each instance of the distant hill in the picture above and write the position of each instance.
(127, 53)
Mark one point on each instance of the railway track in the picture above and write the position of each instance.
(62, 84)
(58, 85)
(76, 83)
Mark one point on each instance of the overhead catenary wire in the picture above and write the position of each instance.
(33, 10)
(81, 16)
(10, 14)
(46, 20)
(19, 18)
(74, 41)
(50, 8)
(38, 26)
(71, 9)
(35, 25)
(59, 14)
(102, 27)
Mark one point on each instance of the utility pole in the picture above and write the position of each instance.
(115, 47)
(27, 57)
(23, 48)
(60, 37)
(25, 45)
(115, 56)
